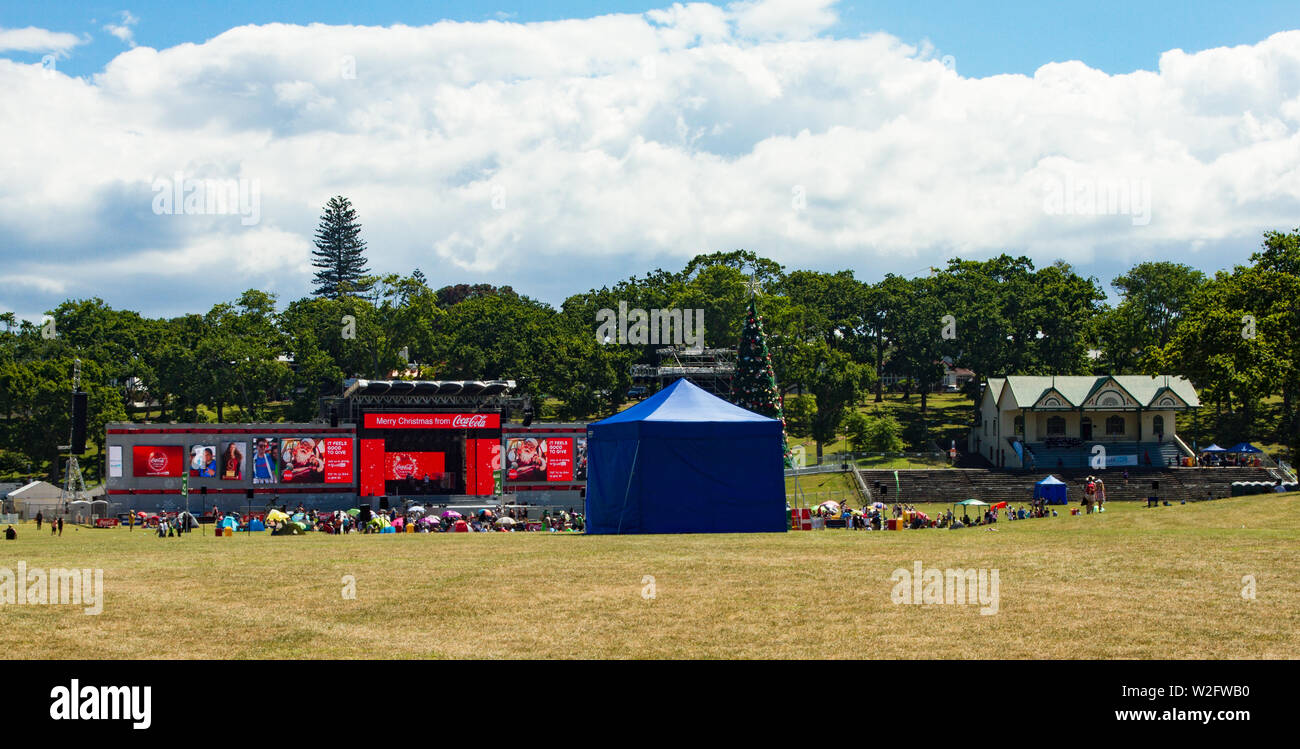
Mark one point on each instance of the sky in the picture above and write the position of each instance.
(562, 146)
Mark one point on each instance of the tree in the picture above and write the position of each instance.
(340, 251)
(875, 433)
(1154, 297)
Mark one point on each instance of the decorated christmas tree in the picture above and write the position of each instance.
(754, 386)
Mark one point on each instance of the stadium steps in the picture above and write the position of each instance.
(993, 486)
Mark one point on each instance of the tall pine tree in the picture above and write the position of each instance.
(754, 386)
(340, 251)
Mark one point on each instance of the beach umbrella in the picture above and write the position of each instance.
(415, 510)
(426, 521)
(485, 513)
(298, 517)
(276, 516)
(354, 512)
(450, 514)
(829, 506)
(505, 521)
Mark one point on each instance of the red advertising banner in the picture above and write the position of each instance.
(338, 460)
(105, 522)
(483, 456)
(157, 460)
(372, 468)
(559, 459)
(400, 466)
(433, 421)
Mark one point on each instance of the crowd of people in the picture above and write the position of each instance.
(415, 519)
(877, 516)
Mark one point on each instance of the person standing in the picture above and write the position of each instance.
(39, 518)
(60, 527)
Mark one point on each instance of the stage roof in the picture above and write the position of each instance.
(427, 387)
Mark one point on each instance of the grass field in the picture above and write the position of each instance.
(1132, 583)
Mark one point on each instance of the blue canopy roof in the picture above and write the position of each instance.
(685, 402)
(1051, 481)
(1214, 449)
(1244, 447)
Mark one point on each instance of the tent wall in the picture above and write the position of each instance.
(685, 484)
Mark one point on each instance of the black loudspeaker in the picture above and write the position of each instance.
(249, 494)
(203, 490)
(383, 503)
(334, 416)
(78, 423)
(505, 415)
(528, 415)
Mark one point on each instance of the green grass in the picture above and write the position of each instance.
(1130, 583)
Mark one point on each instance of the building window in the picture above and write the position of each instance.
(1056, 426)
(1020, 426)
(1115, 425)
(1158, 425)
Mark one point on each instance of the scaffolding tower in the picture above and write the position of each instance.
(712, 369)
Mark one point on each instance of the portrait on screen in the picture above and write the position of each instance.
(303, 461)
(203, 461)
(266, 460)
(232, 460)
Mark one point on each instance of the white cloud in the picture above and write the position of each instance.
(556, 156)
(32, 39)
(124, 31)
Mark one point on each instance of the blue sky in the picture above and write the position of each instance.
(984, 38)
(877, 137)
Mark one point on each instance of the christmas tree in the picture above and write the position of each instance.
(754, 386)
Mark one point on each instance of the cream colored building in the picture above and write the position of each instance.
(1027, 421)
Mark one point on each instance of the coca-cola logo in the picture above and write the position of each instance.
(158, 461)
(469, 421)
(404, 466)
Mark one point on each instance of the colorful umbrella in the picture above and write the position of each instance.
(505, 521)
(354, 512)
(450, 514)
(275, 516)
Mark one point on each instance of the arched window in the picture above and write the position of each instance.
(1056, 426)
(1115, 425)
(1158, 424)
(1020, 426)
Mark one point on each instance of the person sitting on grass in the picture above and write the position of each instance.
(11, 534)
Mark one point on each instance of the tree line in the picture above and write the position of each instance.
(832, 338)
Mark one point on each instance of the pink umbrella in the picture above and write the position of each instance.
(398, 522)
(450, 514)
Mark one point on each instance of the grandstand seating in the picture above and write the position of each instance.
(1050, 456)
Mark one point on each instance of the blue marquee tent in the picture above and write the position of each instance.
(685, 461)
(1244, 447)
(1051, 489)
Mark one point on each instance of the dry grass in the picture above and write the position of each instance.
(1132, 583)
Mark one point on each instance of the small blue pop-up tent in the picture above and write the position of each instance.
(1051, 489)
(685, 461)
